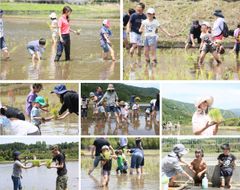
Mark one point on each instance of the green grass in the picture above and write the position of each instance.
(79, 11)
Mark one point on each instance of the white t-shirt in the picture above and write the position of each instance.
(218, 26)
(124, 111)
(150, 27)
(199, 121)
(1, 28)
(135, 107)
(19, 127)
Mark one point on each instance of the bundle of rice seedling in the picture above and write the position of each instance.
(48, 163)
(36, 163)
(216, 115)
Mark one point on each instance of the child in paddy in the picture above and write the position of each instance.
(106, 163)
(150, 27)
(36, 48)
(227, 162)
(35, 88)
(3, 45)
(237, 40)
(54, 28)
(36, 118)
(121, 162)
(198, 167)
(84, 107)
(105, 42)
(123, 111)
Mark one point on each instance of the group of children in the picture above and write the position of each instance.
(171, 167)
(60, 30)
(107, 154)
(14, 122)
(108, 102)
(143, 31)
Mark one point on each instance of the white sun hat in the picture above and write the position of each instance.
(206, 24)
(53, 15)
(200, 100)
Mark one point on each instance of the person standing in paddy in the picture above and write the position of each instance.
(64, 34)
(69, 100)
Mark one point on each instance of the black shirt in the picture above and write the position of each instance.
(11, 112)
(99, 143)
(70, 102)
(126, 18)
(227, 161)
(136, 22)
(60, 159)
(196, 31)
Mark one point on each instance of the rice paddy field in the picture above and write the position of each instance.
(174, 63)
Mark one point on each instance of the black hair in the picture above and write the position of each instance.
(131, 11)
(142, 5)
(238, 25)
(42, 41)
(66, 9)
(37, 85)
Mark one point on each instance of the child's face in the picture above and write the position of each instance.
(37, 90)
(226, 151)
(198, 155)
(204, 28)
(68, 13)
(150, 16)
(203, 106)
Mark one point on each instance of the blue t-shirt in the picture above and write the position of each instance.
(136, 21)
(104, 30)
(35, 112)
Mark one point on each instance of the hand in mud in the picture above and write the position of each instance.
(190, 179)
(199, 175)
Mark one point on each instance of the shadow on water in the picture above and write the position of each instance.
(86, 52)
(40, 178)
(176, 64)
(100, 126)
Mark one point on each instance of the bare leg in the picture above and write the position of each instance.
(132, 49)
(146, 52)
(216, 57)
(112, 53)
(153, 53)
(201, 59)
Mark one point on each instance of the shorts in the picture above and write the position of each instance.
(61, 183)
(55, 36)
(237, 48)
(105, 172)
(96, 161)
(198, 180)
(3, 45)
(124, 35)
(226, 173)
(136, 38)
(111, 109)
(31, 51)
(209, 48)
(105, 47)
(189, 41)
(136, 161)
(150, 41)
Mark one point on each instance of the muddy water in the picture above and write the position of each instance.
(187, 130)
(86, 52)
(134, 127)
(39, 178)
(175, 64)
(149, 180)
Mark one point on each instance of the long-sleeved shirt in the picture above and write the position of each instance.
(111, 98)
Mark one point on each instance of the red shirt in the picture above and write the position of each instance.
(64, 25)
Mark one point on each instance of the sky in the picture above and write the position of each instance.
(226, 96)
(30, 140)
(144, 84)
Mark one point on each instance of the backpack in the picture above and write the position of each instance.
(225, 30)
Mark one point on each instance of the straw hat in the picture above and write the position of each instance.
(209, 100)
(110, 87)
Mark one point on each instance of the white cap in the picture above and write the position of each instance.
(151, 11)
(53, 15)
(105, 147)
(206, 23)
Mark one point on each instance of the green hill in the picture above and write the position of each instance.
(124, 91)
(180, 111)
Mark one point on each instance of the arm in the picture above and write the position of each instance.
(93, 149)
(165, 31)
(192, 40)
(112, 150)
(74, 31)
(216, 129)
(102, 99)
(62, 116)
(141, 29)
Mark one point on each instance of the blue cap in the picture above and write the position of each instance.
(59, 89)
(16, 153)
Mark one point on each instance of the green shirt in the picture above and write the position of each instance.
(120, 161)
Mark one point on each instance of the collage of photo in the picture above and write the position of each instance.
(119, 94)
